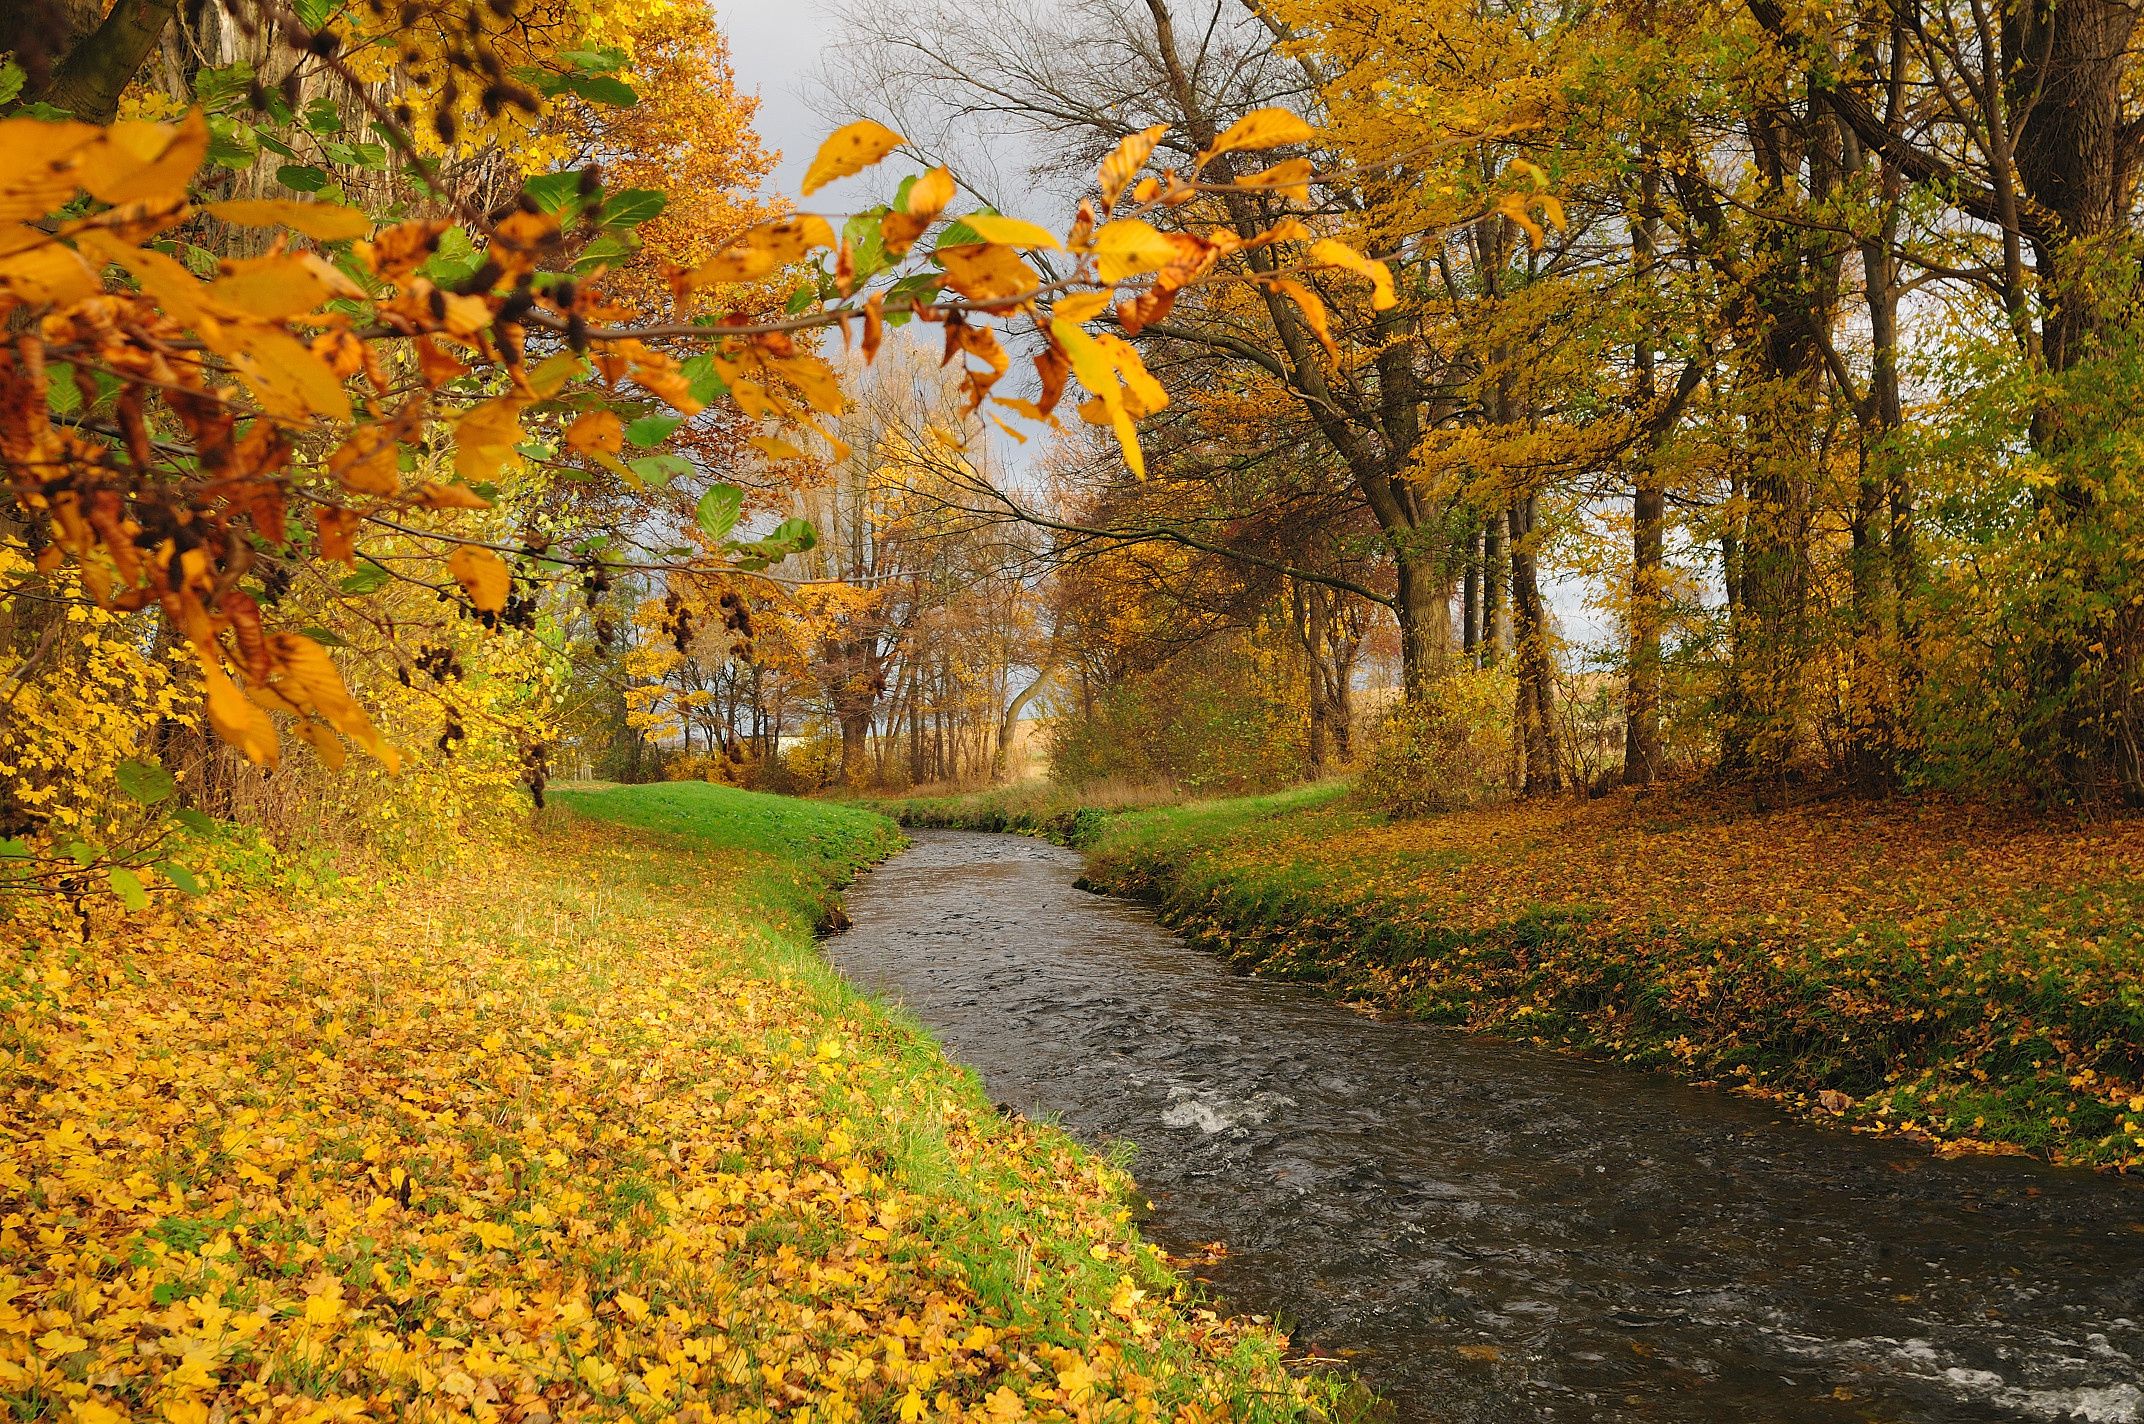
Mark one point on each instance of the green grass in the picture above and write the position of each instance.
(1017, 1210)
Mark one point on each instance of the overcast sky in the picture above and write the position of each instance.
(775, 46)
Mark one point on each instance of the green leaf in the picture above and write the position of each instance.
(274, 145)
(453, 260)
(179, 876)
(791, 536)
(594, 61)
(652, 429)
(659, 470)
(325, 638)
(605, 251)
(355, 155)
(302, 176)
(11, 80)
(232, 144)
(314, 13)
(867, 244)
(199, 822)
(82, 853)
(632, 207)
(324, 116)
(369, 578)
(956, 234)
(145, 781)
(13, 849)
(602, 89)
(62, 395)
(223, 87)
(718, 509)
(554, 192)
(128, 887)
(707, 383)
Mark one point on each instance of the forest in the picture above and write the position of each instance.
(1606, 531)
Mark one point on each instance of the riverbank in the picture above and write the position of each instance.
(589, 1132)
(1965, 976)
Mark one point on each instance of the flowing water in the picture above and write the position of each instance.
(1605, 1243)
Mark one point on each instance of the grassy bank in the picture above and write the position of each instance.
(1966, 975)
(592, 1132)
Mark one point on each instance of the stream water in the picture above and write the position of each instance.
(1607, 1244)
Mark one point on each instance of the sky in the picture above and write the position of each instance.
(775, 46)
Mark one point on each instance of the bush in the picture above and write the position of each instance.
(1449, 750)
(813, 764)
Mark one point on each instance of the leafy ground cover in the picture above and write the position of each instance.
(1964, 974)
(590, 1133)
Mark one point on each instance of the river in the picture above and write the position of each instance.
(1488, 1232)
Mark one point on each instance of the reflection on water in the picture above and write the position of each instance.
(1631, 1248)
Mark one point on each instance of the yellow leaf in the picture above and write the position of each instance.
(775, 448)
(38, 162)
(763, 249)
(1145, 394)
(1332, 252)
(325, 742)
(235, 718)
(1011, 232)
(1513, 206)
(984, 273)
(928, 195)
(141, 162)
(1129, 156)
(1093, 368)
(366, 461)
(329, 222)
(849, 149)
(1313, 309)
(596, 431)
(1128, 246)
(483, 576)
(1083, 306)
(279, 287)
(484, 439)
(434, 495)
(551, 374)
(287, 378)
(1290, 178)
(306, 672)
(1261, 128)
(49, 272)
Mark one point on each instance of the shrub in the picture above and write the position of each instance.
(1451, 749)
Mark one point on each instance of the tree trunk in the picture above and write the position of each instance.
(1425, 617)
(1648, 510)
(1540, 759)
(856, 750)
(1495, 615)
(89, 82)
